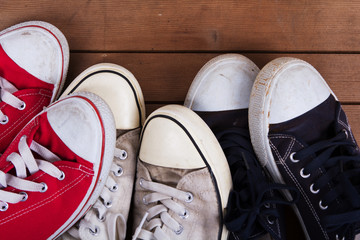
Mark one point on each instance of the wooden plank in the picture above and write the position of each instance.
(352, 112)
(221, 25)
(167, 77)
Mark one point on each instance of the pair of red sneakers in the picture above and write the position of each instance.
(55, 158)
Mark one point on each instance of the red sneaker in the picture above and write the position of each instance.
(40, 199)
(34, 58)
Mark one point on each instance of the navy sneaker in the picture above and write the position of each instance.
(302, 136)
(220, 95)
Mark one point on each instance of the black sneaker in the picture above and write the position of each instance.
(220, 94)
(302, 136)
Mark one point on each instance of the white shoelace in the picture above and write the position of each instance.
(115, 222)
(23, 161)
(6, 95)
(158, 215)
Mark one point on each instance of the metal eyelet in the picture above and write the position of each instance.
(4, 206)
(271, 222)
(108, 204)
(141, 182)
(267, 205)
(185, 214)
(95, 232)
(62, 176)
(25, 196)
(337, 237)
(144, 201)
(346, 133)
(114, 188)
(4, 121)
(44, 187)
(22, 106)
(292, 158)
(312, 189)
(101, 219)
(123, 155)
(321, 206)
(189, 198)
(304, 175)
(180, 230)
(118, 172)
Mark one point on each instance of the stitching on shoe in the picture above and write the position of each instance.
(303, 193)
(20, 120)
(44, 202)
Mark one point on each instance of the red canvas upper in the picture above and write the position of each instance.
(34, 92)
(43, 213)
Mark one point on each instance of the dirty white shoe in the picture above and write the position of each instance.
(183, 179)
(107, 219)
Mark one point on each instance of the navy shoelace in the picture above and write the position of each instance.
(254, 197)
(336, 163)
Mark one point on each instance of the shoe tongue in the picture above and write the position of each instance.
(312, 126)
(225, 119)
(167, 176)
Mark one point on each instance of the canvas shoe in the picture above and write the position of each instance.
(107, 219)
(183, 179)
(220, 95)
(34, 59)
(302, 137)
(55, 168)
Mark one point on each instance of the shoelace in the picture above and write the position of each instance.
(337, 166)
(253, 197)
(23, 161)
(115, 222)
(158, 217)
(6, 95)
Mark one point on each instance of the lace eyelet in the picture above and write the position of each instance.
(62, 176)
(337, 237)
(312, 189)
(22, 106)
(271, 222)
(101, 219)
(94, 232)
(304, 175)
(189, 198)
(267, 205)
(5, 120)
(144, 201)
(346, 133)
(114, 188)
(44, 187)
(25, 196)
(141, 182)
(292, 158)
(180, 230)
(118, 172)
(4, 206)
(322, 207)
(185, 215)
(108, 204)
(123, 155)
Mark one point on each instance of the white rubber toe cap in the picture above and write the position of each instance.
(224, 83)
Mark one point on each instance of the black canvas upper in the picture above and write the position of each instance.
(324, 150)
(254, 205)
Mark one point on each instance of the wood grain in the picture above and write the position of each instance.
(227, 25)
(167, 77)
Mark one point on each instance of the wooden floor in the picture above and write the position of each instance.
(165, 43)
